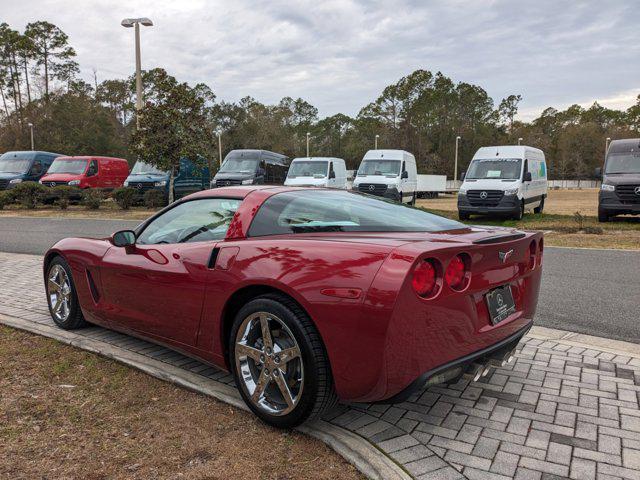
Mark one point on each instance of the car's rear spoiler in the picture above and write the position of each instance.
(499, 238)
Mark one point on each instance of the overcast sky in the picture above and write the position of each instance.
(340, 54)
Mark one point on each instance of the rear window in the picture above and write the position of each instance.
(334, 211)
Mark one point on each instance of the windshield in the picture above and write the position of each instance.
(75, 167)
(623, 163)
(494, 168)
(239, 165)
(379, 167)
(141, 168)
(14, 165)
(308, 169)
(334, 211)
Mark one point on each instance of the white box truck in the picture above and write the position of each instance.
(430, 185)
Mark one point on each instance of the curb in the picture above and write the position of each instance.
(353, 448)
(616, 347)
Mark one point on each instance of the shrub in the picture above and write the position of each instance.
(62, 194)
(6, 198)
(92, 198)
(124, 197)
(29, 194)
(154, 198)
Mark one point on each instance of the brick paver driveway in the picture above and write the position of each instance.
(557, 411)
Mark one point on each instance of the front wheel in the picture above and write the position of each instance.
(603, 216)
(520, 213)
(279, 362)
(62, 297)
(463, 215)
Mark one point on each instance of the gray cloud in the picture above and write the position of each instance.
(340, 54)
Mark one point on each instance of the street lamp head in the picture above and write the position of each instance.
(30, 124)
(608, 139)
(458, 137)
(146, 22)
(130, 22)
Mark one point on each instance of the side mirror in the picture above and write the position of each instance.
(527, 177)
(405, 174)
(124, 238)
(463, 175)
(598, 172)
(332, 174)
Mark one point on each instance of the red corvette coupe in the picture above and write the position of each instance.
(307, 295)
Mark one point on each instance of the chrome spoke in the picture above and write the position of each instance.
(263, 381)
(253, 353)
(59, 292)
(266, 333)
(284, 388)
(53, 286)
(287, 355)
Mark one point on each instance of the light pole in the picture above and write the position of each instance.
(376, 144)
(519, 140)
(308, 135)
(31, 128)
(135, 22)
(455, 162)
(219, 133)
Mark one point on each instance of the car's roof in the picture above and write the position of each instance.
(238, 191)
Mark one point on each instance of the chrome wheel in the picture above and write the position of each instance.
(269, 363)
(59, 292)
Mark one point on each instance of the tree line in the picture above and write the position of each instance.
(423, 113)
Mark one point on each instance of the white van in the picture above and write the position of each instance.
(388, 173)
(317, 172)
(505, 180)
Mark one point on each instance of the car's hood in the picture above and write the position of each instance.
(306, 182)
(233, 176)
(622, 178)
(489, 184)
(60, 177)
(10, 176)
(380, 179)
(146, 178)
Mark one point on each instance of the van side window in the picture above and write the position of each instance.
(36, 168)
(526, 168)
(93, 168)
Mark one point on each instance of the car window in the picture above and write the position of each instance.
(193, 221)
(327, 211)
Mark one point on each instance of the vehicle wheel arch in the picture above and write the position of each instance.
(48, 258)
(245, 294)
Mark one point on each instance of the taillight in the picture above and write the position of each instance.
(456, 274)
(540, 249)
(532, 255)
(425, 278)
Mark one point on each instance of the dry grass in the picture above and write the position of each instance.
(65, 413)
(109, 210)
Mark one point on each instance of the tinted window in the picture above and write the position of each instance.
(15, 165)
(195, 221)
(240, 165)
(499, 168)
(333, 211)
(68, 166)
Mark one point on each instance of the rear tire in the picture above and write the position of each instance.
(540, 207)
(282, 393)
(413, 200)
(62, 297)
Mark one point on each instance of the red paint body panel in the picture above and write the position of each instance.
(378, 341)
(112, 172)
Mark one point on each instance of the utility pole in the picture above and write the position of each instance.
(455, 162)
(219, 132)
(135, 22)
(32, 143)
(308, 135)
(376, 142)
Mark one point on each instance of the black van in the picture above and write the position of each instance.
(620, 190)
(27, 166)
(252, 167)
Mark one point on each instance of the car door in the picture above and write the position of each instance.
(157, 286)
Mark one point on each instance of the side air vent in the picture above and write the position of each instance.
(92, 286)
(213, 257)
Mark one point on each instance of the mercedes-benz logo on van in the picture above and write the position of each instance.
(483, 195)
(372, 187)
(139, 186)
(637, 190)
(228, 182)
(53, 184)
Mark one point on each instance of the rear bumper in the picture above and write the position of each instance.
(507, 206)
(610, 203)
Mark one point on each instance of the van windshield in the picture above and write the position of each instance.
(494, 168)
(75, 167)
(239, 165)
(14, 165)
(308, 169)
(141, 168)
(379, 167)
(623, 163)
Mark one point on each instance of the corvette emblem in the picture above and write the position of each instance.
(483, 195)
(504, 256)
(372, 187)
(637, 190)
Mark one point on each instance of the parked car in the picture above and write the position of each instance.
(620, 190)
(190, 178)
(388, 173)
(18, 167)
(251, 167)
(504, 180)
(317, 172)
(87, 172)
(307, 295)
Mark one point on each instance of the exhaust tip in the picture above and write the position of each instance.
(485, 372)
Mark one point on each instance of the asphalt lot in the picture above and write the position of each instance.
(596, 292)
